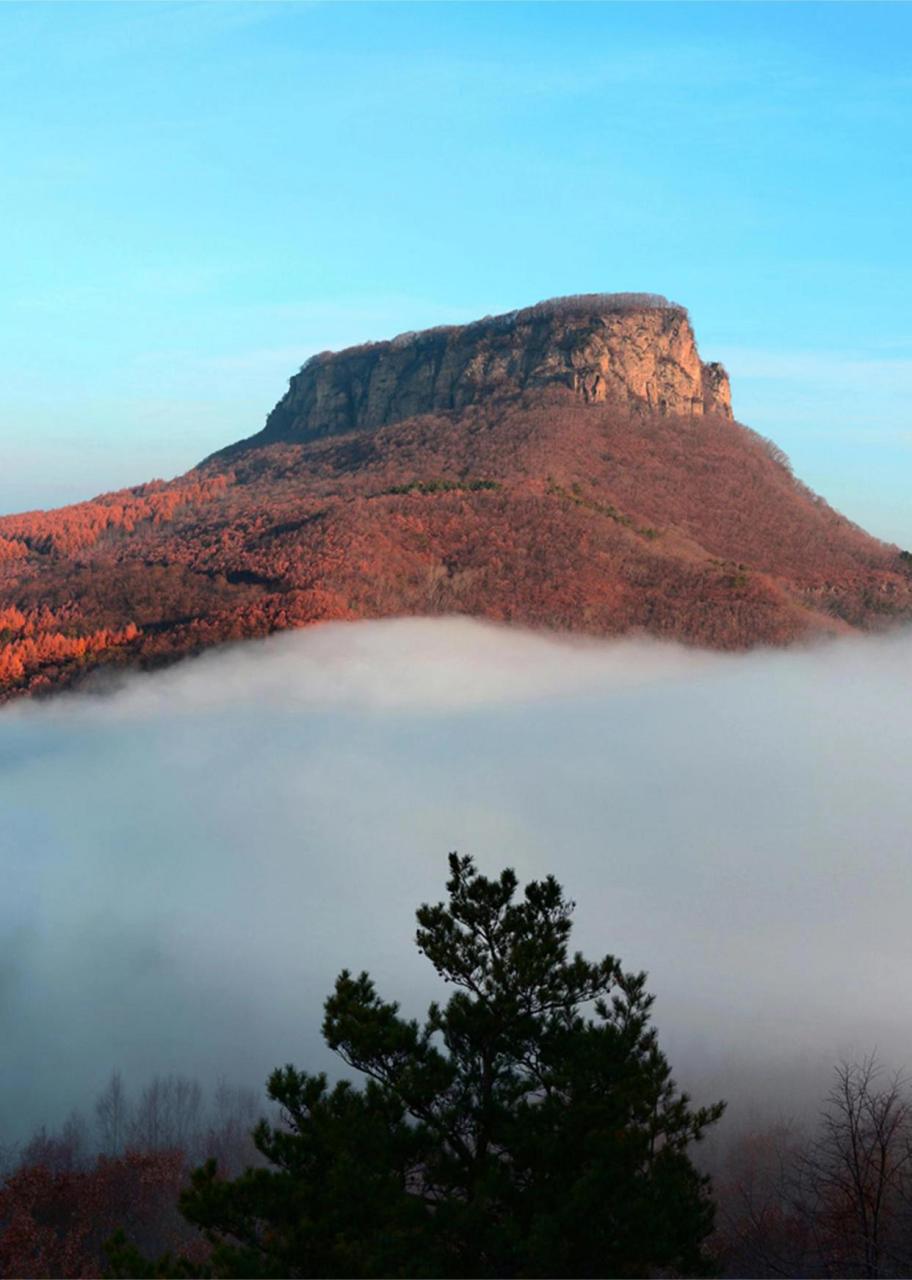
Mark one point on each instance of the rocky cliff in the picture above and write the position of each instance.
(573, 466)
(633, 349)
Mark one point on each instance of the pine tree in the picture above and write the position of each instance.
(530, 1126)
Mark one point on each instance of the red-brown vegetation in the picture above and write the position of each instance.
(536, 509)
(65, 1193)
(55, 1222)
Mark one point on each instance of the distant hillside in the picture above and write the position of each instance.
(573, 466)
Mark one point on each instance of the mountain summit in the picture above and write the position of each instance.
(572, 466)
(634, 348)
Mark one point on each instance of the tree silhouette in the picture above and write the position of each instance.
(530, 1126)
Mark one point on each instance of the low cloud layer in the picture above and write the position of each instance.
(190, 859)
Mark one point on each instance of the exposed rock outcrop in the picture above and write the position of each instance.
(573, 467)
(632, 348)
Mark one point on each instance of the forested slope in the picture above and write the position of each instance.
(543, 500)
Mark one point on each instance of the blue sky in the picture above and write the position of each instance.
(195, 197)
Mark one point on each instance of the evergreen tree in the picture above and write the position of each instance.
(530, 1127)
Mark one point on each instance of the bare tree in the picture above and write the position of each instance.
(186, 1113)
(858, 1175)
(834, 1202)
(168, 1115)
(112, 1116)
(60, 1152)
(229, 1141)
(761, 1227)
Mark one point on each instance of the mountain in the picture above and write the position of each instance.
(574, 466)
(629, 348)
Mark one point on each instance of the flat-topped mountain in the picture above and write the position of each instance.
(629, 348)
(572, 466)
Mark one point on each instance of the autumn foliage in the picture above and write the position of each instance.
(533, 509)
(55, 1223)
(64, 1193)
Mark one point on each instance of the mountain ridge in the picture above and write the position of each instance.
(574, 467)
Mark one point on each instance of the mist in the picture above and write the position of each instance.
(191, 857)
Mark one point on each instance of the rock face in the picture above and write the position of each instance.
(573, 466)
(634, 349)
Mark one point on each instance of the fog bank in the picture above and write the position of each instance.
(190, 859)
